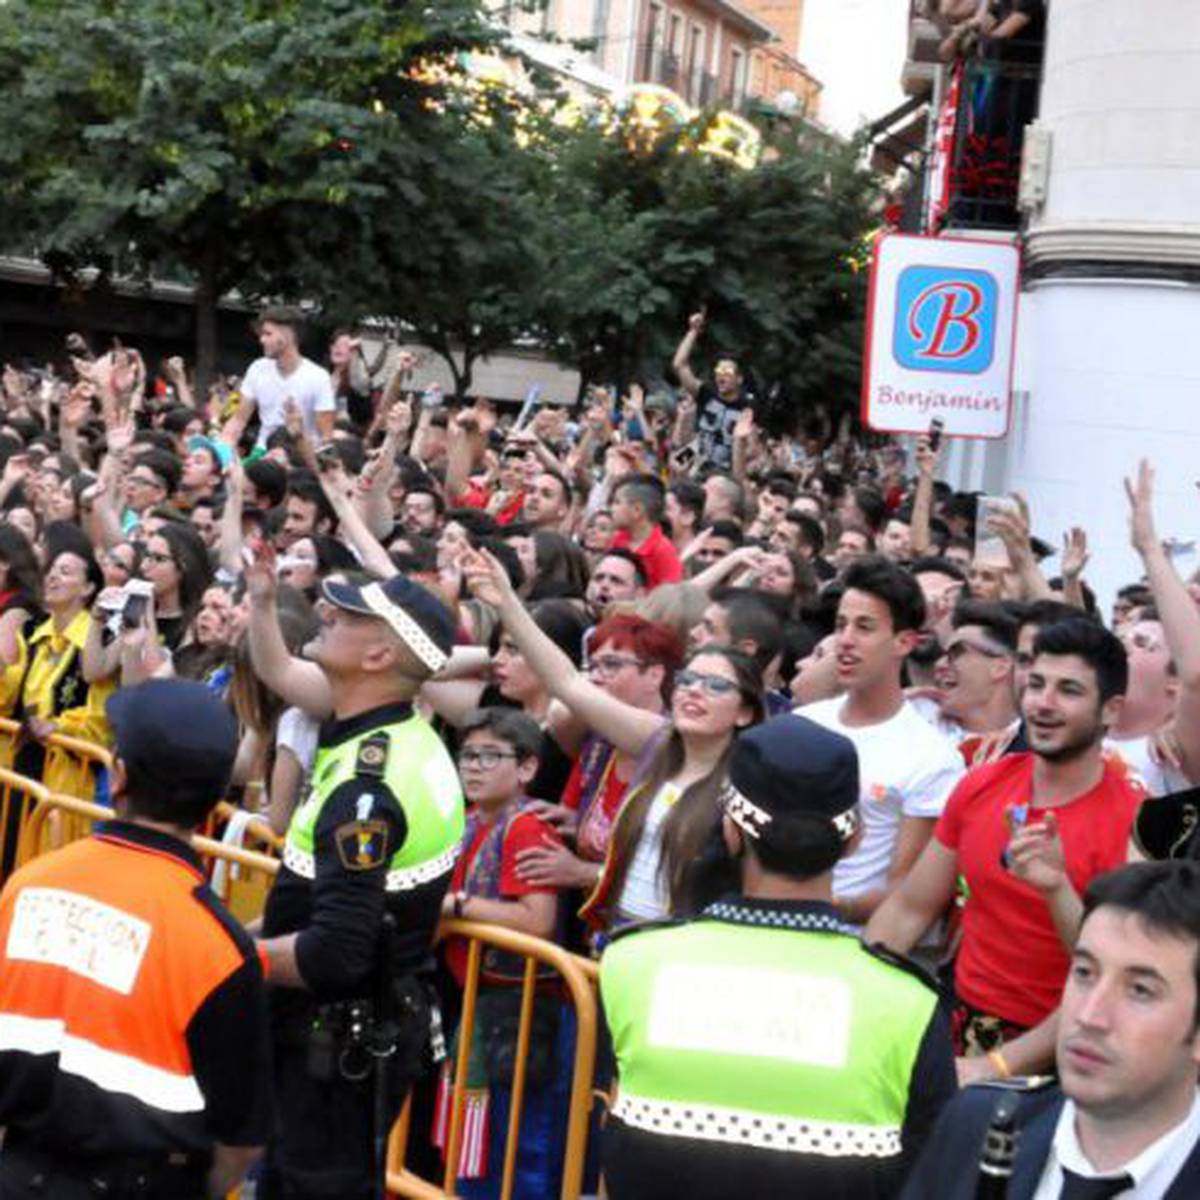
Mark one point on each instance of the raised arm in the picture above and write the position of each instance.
(628, 728)
(229, 539)
(351, 525)
(1178, 613)
(927, 465)
(292, 679)
(688, 379)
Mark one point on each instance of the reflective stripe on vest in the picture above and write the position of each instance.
(402, 880)
(419, 773)
(107, 1069)
(745, 1127)
(764, 1028)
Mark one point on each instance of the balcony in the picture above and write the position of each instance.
(977, 161)
(656, 64)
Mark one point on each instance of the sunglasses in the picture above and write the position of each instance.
(711, 685)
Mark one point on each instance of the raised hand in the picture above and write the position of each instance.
(697, 321)
(927, 457)
(120, 437)
(1075, 553)
(486, 579)
(743, 429)
(1141, 509)
(1035, 856)
(260, 574)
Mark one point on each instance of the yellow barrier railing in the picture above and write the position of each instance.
(578, 980)
(19, 797)
(56, 819)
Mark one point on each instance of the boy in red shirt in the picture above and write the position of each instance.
(1012, 962)
(497, 760)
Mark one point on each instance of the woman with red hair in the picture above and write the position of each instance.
(635, 661)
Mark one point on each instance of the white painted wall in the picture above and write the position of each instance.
(1113, 374)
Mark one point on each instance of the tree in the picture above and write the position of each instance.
(232, 142)
(647, 233)
(460, 263)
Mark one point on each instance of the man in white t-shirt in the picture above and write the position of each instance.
(284, 374)
(906, 768)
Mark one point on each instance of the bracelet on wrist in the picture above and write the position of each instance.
(999, 1064)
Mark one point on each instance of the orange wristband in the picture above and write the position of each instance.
(1000, 1063)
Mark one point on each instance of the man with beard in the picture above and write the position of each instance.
(1012, 963)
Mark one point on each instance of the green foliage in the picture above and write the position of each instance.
(283, 147)
(643, 238)
(229, 141)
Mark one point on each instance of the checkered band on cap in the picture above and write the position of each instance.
(406, 628)
(744, 813)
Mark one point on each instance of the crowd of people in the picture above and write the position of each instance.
(609, 622)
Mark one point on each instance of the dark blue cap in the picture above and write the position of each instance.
(174, 731)
(789, 766)
(418, 618)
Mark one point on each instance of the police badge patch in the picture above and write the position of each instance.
(362, 845)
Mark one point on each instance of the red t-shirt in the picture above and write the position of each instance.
(524, 831)
(475, 495)
(1012, 963)
(657, 554)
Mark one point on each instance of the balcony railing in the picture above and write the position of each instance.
(657, 64)
(996, 101)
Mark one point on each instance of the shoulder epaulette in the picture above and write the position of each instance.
(372, 755)
(903, 962)
(1025, 1084)
(1165, 827)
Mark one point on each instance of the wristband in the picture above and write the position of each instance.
(1000, 1063)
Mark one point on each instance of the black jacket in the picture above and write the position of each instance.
(948, 1168)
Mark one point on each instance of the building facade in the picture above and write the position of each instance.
(713, 53)
(1107, 214)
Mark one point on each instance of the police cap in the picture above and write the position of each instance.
(417, 617)
(791, 766)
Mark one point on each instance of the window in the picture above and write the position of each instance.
(737, 75)
(600, 18)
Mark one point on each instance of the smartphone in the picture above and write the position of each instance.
(137, 602)
(431, 397)
(1018, 815)
(936, 426)
(327, 456)
(989, 547)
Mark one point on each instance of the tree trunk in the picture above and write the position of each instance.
(207, 295)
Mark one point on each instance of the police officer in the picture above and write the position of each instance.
(761, 1049)
(378, 833)
(133, 1016)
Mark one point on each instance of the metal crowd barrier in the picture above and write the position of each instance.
(53, 820)
(19, 798)
(56, 820)
(578, 976)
